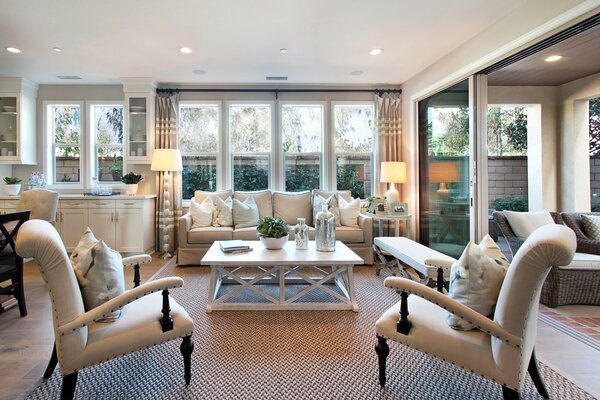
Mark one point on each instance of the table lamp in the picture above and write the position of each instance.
(167, 161)
(392, 172)
(443, 172)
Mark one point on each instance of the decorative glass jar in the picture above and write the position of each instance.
(325, 229)
(301, 234)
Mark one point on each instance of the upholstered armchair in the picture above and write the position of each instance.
(150, 316)
(584, 243)
(42, 203)
(500, 349)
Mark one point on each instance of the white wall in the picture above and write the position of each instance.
(573, 98)
(542, 151)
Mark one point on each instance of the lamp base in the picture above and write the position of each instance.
(391, 196)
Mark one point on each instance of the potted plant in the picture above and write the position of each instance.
(273, 232)
(13, 185)
(131, 181)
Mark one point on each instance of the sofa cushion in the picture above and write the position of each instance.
(332, 204)
(202, 212)
(263, 201)
(346, 194)
(209, 234)
(247, 233)
(591, 226)
(524, 223)
(349, 234)
(246, 213)
(223, 213)
(289, 206)
(200, 195)
(349, 211)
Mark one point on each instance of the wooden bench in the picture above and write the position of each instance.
(430, 265)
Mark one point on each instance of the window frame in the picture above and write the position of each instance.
(93, 145)
(49, 158)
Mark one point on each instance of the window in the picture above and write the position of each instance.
(353, 126)
(64, 124)
(250, 140)
(106, 128)
(199, 145)
(302, 139)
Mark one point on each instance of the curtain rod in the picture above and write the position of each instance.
(277, 91)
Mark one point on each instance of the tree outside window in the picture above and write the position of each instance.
(66, 136)
(108, 135)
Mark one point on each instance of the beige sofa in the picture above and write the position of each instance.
(194, 242)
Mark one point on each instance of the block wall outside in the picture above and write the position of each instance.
(507, 177)
(595, 179)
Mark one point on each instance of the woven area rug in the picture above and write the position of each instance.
(286, 355)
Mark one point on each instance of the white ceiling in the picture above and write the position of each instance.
(236, 41)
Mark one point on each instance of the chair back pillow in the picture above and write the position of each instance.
(524, 223)
(475, 280)
(86, 241)
(591, 226)
(100, 276)
(202, 213)
(245, 214)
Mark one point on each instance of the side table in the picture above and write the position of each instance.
(392, 217)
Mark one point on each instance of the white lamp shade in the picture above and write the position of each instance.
(166, 160)
(393, 172)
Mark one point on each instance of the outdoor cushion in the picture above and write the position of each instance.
(209, 234)
(591, 226)
(263, 201)
(290, 206)
(524, 223)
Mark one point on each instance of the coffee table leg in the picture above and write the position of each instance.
(351, 288)
(213, 285)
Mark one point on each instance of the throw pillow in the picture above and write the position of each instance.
(202, 213)
(245, 214)
(222, 213)
(263, 199)
(100, 277)
(591, 226)
(85, 243)
(346, 194)
(289, 206)
(332, 205)
(349, 211)
(475, 280)
(524, 223)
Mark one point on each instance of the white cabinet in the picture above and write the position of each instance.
(8, 206)
(126, 226)
(138, 120)
(17, 121)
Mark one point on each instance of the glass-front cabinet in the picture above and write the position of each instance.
(140, 135)
(17, 121)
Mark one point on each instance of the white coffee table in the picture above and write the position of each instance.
(288, 266)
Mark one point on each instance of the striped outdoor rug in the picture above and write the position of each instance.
(286, 355)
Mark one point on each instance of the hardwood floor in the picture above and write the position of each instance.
(26, 343)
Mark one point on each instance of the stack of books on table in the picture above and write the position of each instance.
(234, 246)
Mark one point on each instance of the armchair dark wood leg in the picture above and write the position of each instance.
(403, 325)
(440, 280)
(69, 383)
(534, 372)
(136, 275)
(187, 347)
(166, 322)
(19, 292)
(51, 364)
(510, 394)
(382, 349)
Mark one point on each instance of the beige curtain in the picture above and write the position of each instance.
(388, 117)
(169, 202)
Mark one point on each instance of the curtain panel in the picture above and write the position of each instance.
(388, 127)
(169, 201)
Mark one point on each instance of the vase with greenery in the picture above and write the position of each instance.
(131, 181)
(12, 185)
(273, 232)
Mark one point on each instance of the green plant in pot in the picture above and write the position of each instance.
(131, 181)
(273, 232)
(12, 185)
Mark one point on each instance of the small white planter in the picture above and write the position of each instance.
(131, 189)
(12, 190)
(272, 243)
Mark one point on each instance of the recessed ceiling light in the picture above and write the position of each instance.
(199, 72)
(376, 52)
(12, 49)
(357, 72)
(57, 49)
(283, 50)
(185, 50)
(553, 58)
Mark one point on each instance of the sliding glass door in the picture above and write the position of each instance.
(444, 169)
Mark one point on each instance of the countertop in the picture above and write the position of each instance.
(85, 197)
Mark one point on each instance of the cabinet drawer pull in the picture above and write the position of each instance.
(129, 204)
(101, 204)
(117, 216)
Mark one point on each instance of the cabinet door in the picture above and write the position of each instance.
(129, 230)
(102, 223)
(72, 224)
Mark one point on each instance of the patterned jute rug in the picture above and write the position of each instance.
(286, 355)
